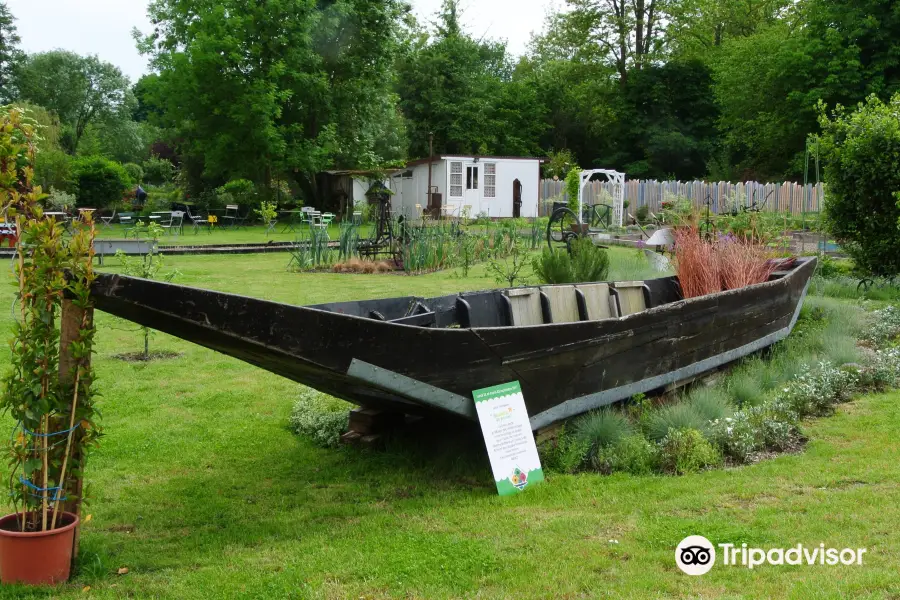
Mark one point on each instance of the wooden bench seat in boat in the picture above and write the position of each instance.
(632, 296)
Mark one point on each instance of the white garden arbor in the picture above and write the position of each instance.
(617, 180)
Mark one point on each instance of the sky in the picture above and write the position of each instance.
(103, 27)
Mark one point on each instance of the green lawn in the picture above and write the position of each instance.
(200, 490)
(255, 234)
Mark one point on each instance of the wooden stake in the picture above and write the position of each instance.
(22, 300)
(73, 320)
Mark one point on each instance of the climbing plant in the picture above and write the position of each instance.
(49, 396)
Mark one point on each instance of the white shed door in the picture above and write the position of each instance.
(472, 180)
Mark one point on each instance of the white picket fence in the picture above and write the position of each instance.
(722, 196)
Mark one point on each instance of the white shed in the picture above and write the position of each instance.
(496, 186)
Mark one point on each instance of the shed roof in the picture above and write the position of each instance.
(438, 157)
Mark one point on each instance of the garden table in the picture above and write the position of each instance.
(292, 219)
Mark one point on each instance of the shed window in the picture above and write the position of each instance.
(456, 180)
(490, 180)
(471, 178)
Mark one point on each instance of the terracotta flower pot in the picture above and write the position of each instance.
(36, 558)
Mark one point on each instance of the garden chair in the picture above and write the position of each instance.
(230, 218)
(317, 224)
(175, 224)
(327, 218)
(108, 219)
(126, 219)
(199, 222)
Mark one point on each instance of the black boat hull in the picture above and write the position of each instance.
(564, 369)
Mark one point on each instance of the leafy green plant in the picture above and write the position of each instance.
(565, 453)
(99, 182)
(508, 269)
(585, 263)
(238, 191)
(135, 172)
(861, 150)
(321, 418)
(158, 171)
(554, 266)
(267, 212)
(146, 266)
(60, 201)
(589, 262)
(686, 450)
(54, 411)
(573, 187)
(630, 454)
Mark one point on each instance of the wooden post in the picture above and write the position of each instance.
(70, 325)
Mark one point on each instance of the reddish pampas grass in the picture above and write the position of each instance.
(695, 264)
(727, 264)
(742, 263)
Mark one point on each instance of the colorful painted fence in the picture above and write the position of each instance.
(722, 196)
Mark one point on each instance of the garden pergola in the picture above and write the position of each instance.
(618, 193)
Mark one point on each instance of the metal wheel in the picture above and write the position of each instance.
(560, 230)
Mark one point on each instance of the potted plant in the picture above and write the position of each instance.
(48, 388)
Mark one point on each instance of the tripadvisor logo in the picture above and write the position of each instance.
(696, 555)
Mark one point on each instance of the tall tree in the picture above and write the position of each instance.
(462, 90)
(627, 34)
(257, 88)
(82, 90)
(10, 54)
(696, 28)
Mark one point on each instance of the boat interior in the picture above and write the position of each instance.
(518, 307)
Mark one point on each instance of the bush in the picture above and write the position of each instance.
(815, 391)
(238, 191)
(883, 371)
(573, 188)
(602, 428)
(565, 454)
(675, 416)
(53, 169)
(589, 262)
(642, 214)
(586, 263)
(59, 201)
(320, 417)
(554, 266)
(687, 451)
(736, 437)
(99, 182)
(134, 171)
(631, 454)
(158, 171)
(861, 150)
(885, 326)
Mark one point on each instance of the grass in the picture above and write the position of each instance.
(201, 491)
(254, 234)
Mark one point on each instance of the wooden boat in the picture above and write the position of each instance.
(572, 348)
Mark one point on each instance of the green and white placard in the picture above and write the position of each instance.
(507, 435)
